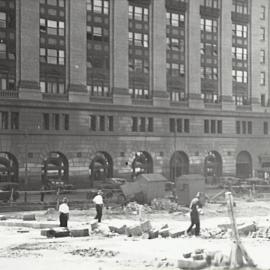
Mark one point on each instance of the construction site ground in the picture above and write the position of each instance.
(22, 245)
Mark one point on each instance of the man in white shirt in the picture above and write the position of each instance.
(64, 213)
(98, 200)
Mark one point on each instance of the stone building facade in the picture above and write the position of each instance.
(111, 88)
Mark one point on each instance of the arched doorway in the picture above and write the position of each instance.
(55, 169)
(212, 167)
(179, 164)
(101, 167)
(243, 165)
(142, 163)
(9, 168)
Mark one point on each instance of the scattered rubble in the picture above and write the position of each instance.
(168, 205)
(94, 252)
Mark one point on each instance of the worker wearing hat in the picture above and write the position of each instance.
(98, 200)
(195, 209)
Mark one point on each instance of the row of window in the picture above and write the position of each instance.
(101, 123)
(55, 121)
(9, 120)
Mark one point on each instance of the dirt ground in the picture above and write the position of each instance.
(25, 248)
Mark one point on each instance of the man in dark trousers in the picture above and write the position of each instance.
(195, 208)
(98, 200)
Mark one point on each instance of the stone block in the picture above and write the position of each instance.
(79, 232)
(164, 232)
(29, 217)
(94, 225)
(192, 265)
(176, 233)
(146, 226)
(3, 217)
(118, 229)
(134, 231)
(152, 234)
(245, 229)
(60, 232)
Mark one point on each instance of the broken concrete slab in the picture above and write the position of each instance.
(153, 233)
(134, 231)
(94, 225)
(146, 226)
(118, 229)
(245, 229)
(29, 217)
(176, 233)
(192, 265)
(164, 232)
(2, 217)
(79, 232)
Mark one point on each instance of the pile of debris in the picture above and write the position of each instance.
(135, 208)
(94, 252)
(168, 205)
(263, 232)
(199, 259)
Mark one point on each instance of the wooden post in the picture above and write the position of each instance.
(238, 251)
(11, 196)
(25, 197)
(57, 198)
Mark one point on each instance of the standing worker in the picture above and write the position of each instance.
(98, 200)
(195, 209)
(64, 212)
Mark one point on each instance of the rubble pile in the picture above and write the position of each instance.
(94, 252)
(134, 208)
(168, 205)
(216, 233)
(200, 259)
(263, 232)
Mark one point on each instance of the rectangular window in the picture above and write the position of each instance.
(263, 103)
(262, 56)
(262, 78)
(150, 124)
(244, 127)
(3, 19)
(172, 125)
(265, 128)
(206, 126)
(66, 121)
(262, 33)
(142, 124)
(14, 120)
(249, 127)
(46, 121)
(238, 127)
(134, 124)
(56, 121)
(262, 13)
(93, 123)
(179, 125)
(102, 123)
(110, 123)
(186, 125)
(213, 126)
(4, 120)
(219, 127)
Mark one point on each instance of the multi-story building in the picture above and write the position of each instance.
(109, 88)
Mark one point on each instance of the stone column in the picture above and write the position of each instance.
(119, 52)
(225, 52)
(158, 54)
(28, 49)
(76, 51)
(194, 57)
